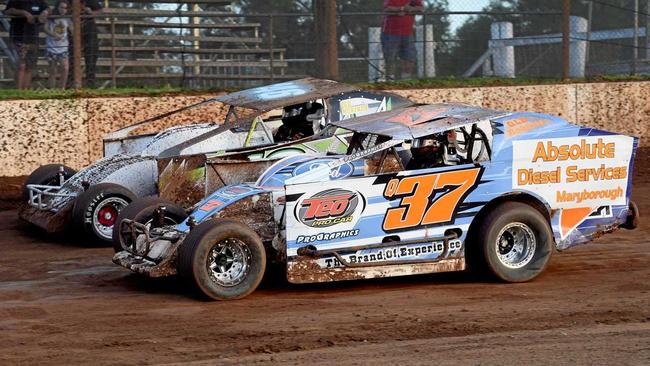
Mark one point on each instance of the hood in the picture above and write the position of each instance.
(99, 172)
(272, 179)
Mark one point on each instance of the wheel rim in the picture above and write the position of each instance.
(516, 244)
(105, 215)
(228, 262)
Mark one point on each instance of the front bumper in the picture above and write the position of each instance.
(47, 207)
(152, 253)
(145, 266)
(52, 222)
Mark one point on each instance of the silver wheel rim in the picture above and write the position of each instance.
(103, 230)
(228, 262)
(515, 246)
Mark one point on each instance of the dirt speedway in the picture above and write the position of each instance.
(62, 302)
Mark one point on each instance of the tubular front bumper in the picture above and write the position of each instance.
(42, 196)
(152, 253)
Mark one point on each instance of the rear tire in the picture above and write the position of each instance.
(143, 211)
(96, 210)
(47, 175)
(515, 241)
(224, 259)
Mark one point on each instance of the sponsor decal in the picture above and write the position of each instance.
(518, 126)
(415, 116)
(327, 236)
(211, 205)
(280, 91)
(330, 207)
(360, 154)
(601, 212)
(354, 107)
(428, 199)
(574, 172)
(362, 106)
(339, 172)
(232, 192)
(382, 256)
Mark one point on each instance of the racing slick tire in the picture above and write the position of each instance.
(224, 259)
(96, 210)
(516, 242)
(47, 175)
(143, 211)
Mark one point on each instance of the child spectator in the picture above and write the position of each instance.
(57, 41)
(27, 14)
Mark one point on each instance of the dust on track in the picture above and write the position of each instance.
(64, 303)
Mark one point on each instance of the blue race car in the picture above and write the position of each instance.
(424, 189)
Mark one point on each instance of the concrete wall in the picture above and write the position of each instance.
(36, 132)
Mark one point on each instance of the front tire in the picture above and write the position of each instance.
(143, 211)
(96, 210)
(224, 259)
(516, 242)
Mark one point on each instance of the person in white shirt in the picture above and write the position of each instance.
(58, 42)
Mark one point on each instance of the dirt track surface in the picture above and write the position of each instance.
(64, 303)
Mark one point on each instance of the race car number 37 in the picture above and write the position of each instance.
(427, 199)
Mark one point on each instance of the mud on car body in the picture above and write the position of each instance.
(57, 197)
(423, 189)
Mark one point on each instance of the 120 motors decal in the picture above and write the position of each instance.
(330, 207)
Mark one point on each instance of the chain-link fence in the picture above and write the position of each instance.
(224, 43)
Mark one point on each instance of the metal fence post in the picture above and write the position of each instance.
(503, 57)
(375, 55)
(566, 13)
(425, 51)
(578, 47)
(271, 55)
(635, 42)
(424, 46)
(113, 56)
(647, 31)
(76, 43)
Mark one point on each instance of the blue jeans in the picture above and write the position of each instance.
(394, 46)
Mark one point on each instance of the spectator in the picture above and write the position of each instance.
(57, 42)
(89, 39)
(24, 35)
(397, 35)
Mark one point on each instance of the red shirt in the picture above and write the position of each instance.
(396, 24)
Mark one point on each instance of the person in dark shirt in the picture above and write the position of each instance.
(28, 16)
(89, 41)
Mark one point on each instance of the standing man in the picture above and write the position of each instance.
(89, 41)
(28, 15)
(397, 35)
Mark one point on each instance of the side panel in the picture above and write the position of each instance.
(386, 225)
(130, 145)
(583, 175)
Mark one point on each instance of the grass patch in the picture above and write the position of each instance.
(436, 83)
(6, 94)
(441, 83)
